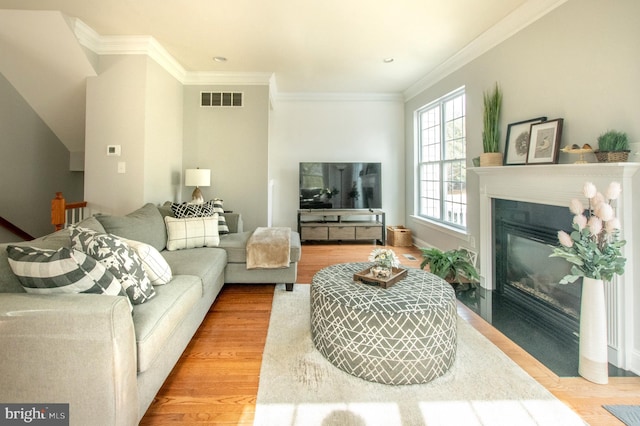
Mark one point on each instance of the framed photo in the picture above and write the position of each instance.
(517, 145)
(544, 142)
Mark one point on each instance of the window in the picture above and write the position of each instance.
(442, 174)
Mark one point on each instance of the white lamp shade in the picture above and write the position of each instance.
(197, 177)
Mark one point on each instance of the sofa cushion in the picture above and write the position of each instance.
(65, 270)
(192, 232)
(145, 225)
(157, 320)
(206, 263)
(154, 264)
(119, 259)
(236, 246)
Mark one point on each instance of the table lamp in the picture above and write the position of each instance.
(197, 178)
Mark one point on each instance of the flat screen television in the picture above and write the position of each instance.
(346, 185)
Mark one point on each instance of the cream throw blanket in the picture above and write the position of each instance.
(269, 248)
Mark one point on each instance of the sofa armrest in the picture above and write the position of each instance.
(75, 348)
(234, 222)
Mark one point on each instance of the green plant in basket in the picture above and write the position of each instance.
(613, 141)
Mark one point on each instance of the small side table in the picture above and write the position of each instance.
(405, 334)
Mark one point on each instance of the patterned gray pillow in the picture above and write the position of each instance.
(65, 270)
(119, 259)
(182, 210)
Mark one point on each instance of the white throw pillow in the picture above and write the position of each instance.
(154, 264)
(192, 232)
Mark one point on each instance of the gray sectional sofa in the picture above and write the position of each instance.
(104, 357)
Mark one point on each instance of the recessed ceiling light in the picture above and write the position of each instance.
(220, 59)
(388, 60)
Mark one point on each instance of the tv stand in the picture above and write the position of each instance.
(328, 225)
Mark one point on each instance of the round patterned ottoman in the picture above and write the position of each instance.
(401, 335)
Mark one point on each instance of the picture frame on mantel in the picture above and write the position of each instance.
(544, 142)
(516, 146)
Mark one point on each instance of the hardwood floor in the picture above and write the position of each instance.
(216, 380)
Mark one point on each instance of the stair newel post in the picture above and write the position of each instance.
(58, 211)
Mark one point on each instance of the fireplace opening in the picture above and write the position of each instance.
(526, 277)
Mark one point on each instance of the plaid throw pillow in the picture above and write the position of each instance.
(192, 232)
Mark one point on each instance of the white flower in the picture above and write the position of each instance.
(595, 225)
(612, 225)
(589, 190)
(580, 220)
(604, 211)
(565, 239)
(576, 206)
(614, 190)
(384, 256)
(597, 200)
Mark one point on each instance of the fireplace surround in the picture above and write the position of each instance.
(556, 185)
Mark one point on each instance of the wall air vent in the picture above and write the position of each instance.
(221, 99)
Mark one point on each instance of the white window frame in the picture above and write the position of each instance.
(441, 161)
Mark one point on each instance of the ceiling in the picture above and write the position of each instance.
(325, 47)
(310, 45)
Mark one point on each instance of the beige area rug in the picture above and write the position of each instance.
(298, 386)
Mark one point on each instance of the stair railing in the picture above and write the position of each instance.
(64, 214)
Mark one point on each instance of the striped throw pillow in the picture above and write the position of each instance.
(61, 271)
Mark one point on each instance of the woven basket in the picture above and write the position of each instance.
(612, 156)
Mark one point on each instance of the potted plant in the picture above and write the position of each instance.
(491, 155)
(613, 146)
(454, 266)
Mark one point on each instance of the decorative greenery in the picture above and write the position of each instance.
(594, 247)
(385, 258)
(613, 141)
(452, 265)
(330, 192)
(491, 117)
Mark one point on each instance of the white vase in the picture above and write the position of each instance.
(593, 364)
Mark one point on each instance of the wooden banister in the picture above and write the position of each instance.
(60, 210)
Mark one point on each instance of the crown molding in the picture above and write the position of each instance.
(147, 45)
(338, 97)
(516, 21)
(128, 45)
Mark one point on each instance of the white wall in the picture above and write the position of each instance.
(137, 105)
(331, 129)
(579, 63)
(163, 136)
(232, 142)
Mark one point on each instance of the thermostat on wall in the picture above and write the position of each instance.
(113, 150)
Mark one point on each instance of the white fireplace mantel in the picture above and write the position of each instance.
(557, 184)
